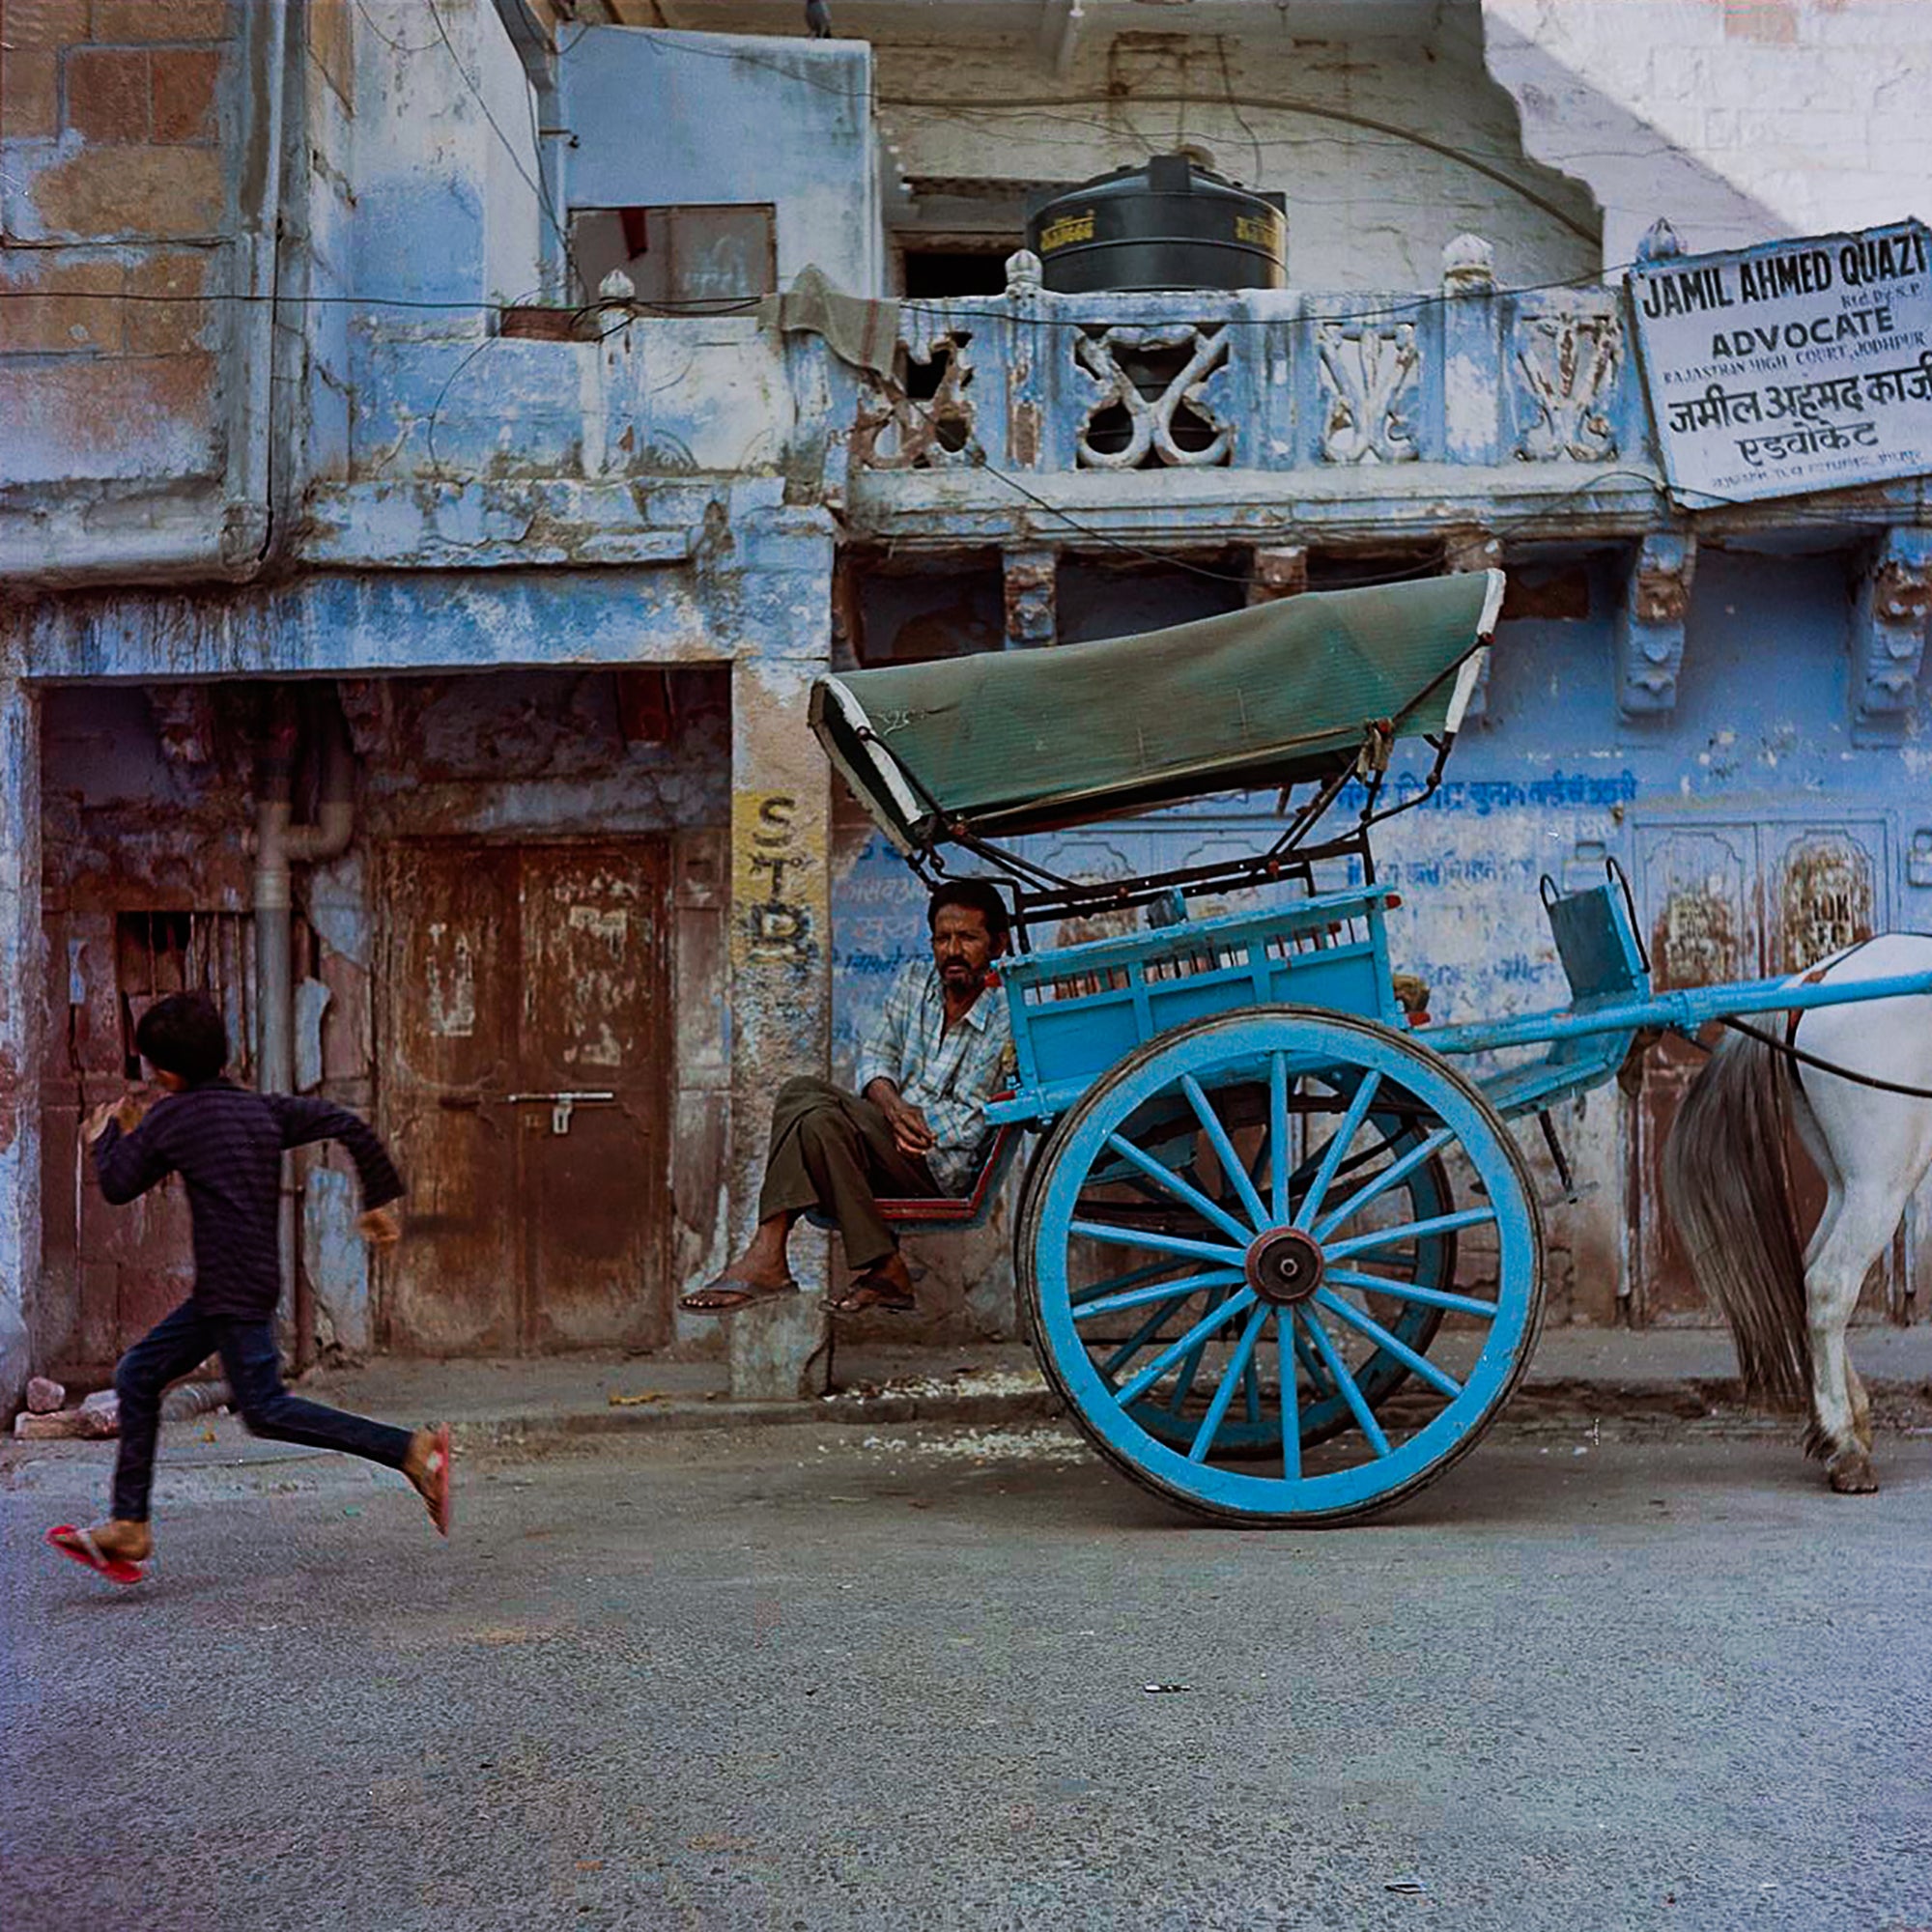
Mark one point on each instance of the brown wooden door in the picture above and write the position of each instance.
(1741, 901)
(513, 975)
(447, 1040)
(594, 1020)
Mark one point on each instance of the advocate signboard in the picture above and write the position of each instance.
(1794, 367)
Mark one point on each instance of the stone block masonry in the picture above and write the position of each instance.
(117, 170)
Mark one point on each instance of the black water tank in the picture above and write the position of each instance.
(1166, 225)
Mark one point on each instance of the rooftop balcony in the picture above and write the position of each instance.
(1468, 416)
(1231, 415)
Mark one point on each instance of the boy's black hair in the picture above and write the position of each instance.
(979, 895)
(184, 1035)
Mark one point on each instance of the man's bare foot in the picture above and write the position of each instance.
(891, 1273)
(427, 1467)
(759, 1274)
(737, 1288)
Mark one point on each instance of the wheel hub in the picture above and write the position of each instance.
(1285, 1265)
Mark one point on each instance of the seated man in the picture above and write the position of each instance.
(917, 1124)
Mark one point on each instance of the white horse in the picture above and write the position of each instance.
(1728, 1188)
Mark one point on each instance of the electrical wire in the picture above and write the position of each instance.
(701, 305)
(394, 47)
(1315, 111)
(1861, 519)
(1468, 158)
(535, 184)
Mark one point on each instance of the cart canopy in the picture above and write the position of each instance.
(1008, 742)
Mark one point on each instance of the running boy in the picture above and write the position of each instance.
(227, 1144)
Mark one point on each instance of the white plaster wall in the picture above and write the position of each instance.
(442, 210)
(515, 219)
(1368, 205)
(1737, 119)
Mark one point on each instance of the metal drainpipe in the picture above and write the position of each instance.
(278, 846)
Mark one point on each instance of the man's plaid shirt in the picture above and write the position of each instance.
(949, 1077)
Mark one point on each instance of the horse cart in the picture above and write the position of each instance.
(1281, 1252)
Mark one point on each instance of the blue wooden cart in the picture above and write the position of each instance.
(1281, 1253)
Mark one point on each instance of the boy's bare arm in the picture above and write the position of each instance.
(125, 1114)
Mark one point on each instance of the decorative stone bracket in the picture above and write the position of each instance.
(1030, 584)
(1888, 635)
(1650, 626)
(1279, 570)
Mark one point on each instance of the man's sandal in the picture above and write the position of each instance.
(729, 1293)
(871, 1293)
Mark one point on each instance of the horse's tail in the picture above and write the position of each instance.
(1727, 1183)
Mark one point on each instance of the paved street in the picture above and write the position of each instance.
(822, 1677)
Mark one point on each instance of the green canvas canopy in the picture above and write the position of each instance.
(1009, 742)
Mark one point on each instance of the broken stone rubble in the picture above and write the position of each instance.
(98, 1418)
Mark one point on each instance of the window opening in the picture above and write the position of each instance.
(679, 256)
(157, 953)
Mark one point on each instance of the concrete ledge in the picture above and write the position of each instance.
(1580, 1376)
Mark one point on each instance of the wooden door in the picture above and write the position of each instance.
(512, 976)
(446, 1041)
(594, 1020)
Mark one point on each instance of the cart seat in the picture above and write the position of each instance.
(932, 1213)
(1605, 963)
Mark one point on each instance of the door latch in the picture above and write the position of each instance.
(562, 1104)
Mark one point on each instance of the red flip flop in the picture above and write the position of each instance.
(86, 1551)
(438, 1497)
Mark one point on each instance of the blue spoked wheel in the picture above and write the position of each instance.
(1230, 1328)
(1421, 1198)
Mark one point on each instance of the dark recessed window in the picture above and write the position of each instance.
(679, 256)
(937, 274)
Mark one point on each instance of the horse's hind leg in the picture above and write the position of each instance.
(1841, 1416)
(1862, 1420)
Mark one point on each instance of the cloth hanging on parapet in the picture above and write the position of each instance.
(858, 330)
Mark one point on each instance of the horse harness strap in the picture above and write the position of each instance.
(1815, 977)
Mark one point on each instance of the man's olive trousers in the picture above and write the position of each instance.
(834, 1153)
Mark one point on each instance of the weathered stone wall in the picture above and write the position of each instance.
(119, 129)
(145, 807)
(1385, 148)
(1738, 120)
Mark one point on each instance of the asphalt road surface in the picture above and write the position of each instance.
(802, 1678)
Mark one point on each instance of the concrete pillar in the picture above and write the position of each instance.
(23, 976)
(1471, 351)
(781, 1018)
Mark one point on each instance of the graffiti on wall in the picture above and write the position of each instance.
(774, 864)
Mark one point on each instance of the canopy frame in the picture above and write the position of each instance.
(1038, 894)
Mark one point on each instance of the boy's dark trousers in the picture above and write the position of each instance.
(254, 1367)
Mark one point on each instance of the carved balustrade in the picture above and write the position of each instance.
(1263, 381)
